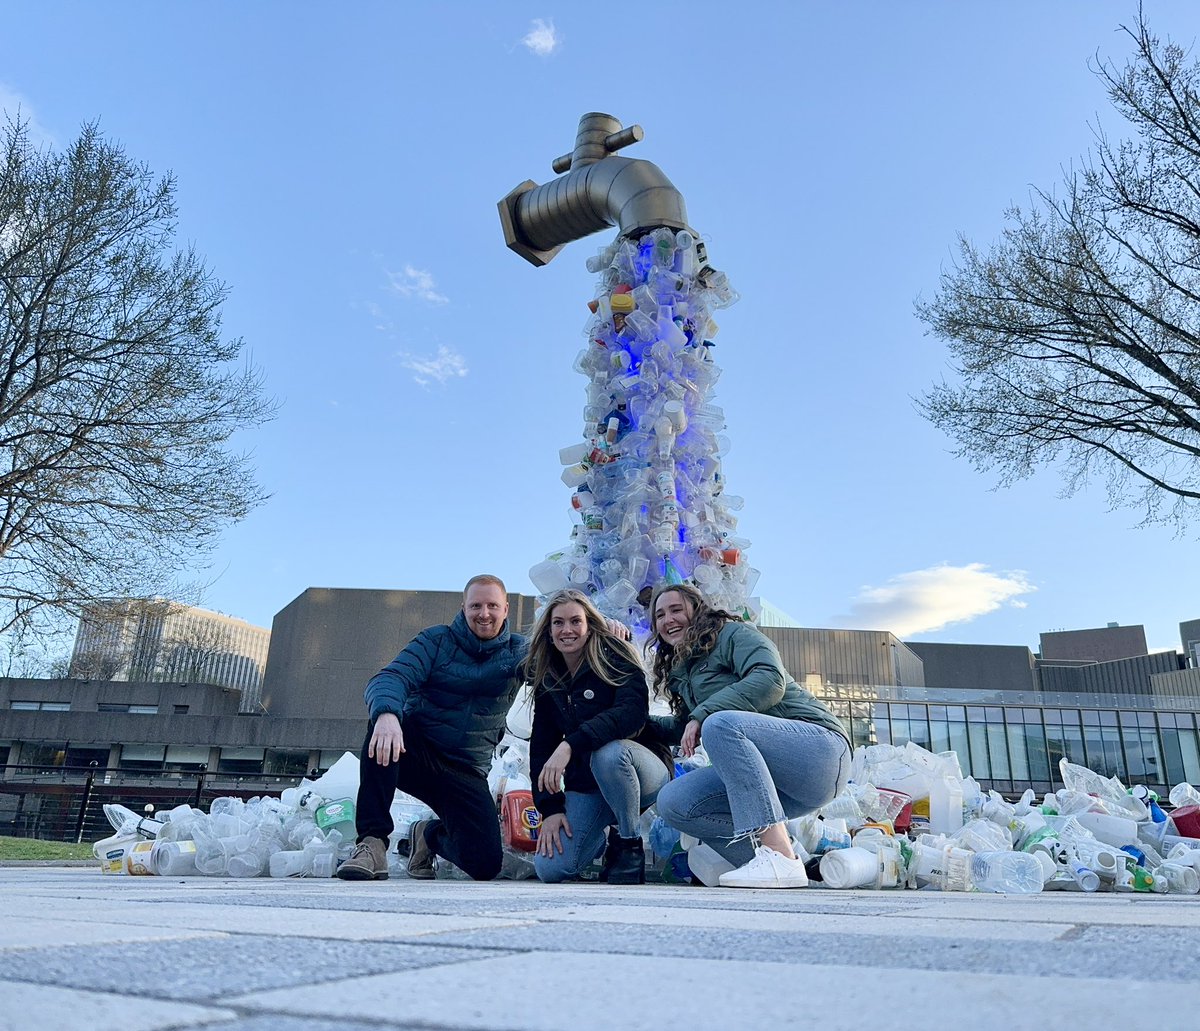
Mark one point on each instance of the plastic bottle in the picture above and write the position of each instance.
(663, 837)
(707, 864)
(1184, 794)
(1015, 873)
(1180, 879)
(337, 815)
(945, 805)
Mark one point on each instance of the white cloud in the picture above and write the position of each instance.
(415, 282)
(14, 106)
(930, 599)
(542, 39)
(446, 364)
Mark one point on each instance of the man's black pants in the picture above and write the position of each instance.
(467, 831)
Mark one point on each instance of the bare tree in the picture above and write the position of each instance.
(93, 665)
(118, 395)
(193, 651)
(1076, 337)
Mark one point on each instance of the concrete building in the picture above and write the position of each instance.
(1101, 644)
(152, 639)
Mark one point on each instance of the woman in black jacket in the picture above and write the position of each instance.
(592, 759)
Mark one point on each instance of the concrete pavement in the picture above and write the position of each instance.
(81, 950)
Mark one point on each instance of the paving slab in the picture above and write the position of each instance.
(78, 949)
(31, 1005)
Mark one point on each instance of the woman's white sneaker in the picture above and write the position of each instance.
(768, 869)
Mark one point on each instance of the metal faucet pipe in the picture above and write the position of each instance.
(596, 191)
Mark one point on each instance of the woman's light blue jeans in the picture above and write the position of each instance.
(764, 770)
(629, 776)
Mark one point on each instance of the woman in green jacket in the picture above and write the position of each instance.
(776, 752)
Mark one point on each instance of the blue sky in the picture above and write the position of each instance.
(339, 167)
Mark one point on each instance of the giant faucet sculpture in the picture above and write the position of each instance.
(646, 478)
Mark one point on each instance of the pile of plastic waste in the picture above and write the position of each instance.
(1095, 834)
(648, 492)
(910, 819)
(305, 832)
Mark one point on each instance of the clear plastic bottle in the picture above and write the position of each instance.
(1015, 873)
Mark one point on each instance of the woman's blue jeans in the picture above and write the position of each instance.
(764, 770)
(629, 776)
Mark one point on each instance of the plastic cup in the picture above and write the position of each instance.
(548, 577)
(849, 868)
(174, 858)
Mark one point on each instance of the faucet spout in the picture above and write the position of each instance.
(595, 191)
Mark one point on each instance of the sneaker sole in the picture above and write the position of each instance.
(759, 884)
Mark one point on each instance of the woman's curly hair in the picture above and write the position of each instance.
(699, 639)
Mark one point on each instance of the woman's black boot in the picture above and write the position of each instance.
(610, 852)
(629, 863)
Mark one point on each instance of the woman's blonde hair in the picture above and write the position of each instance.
(545, 668)
(699, 639)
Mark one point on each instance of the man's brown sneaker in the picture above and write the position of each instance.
(368, 863)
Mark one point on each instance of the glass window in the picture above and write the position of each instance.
(34, 754)
(1091, 718)
(1173, 755)
(1072, 738)
(144, 710)
(998, 751)
(1033, 716)
(862, 732)
(112, 707)
(1095, 748)
(1145, 760)
(959, 742)
(981, 767)
(181, 710)
(956, 712)
(1145, 719)
(1039, 755)
(1052, 716)
(937, 712)
(993, 714)
(1018, 751)
(1128, 719)
(939, 731)
(1191, 755)
(286, 763)
(1108, 718)
(187, 758)
(241, 761)
(1113, 757)
(84, 757)
(25, 706)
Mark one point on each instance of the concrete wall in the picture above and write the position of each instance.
(1122, 676)
(847, 656)
(211, 719)
(1103, 644)
(329, 642)
(977, 667)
